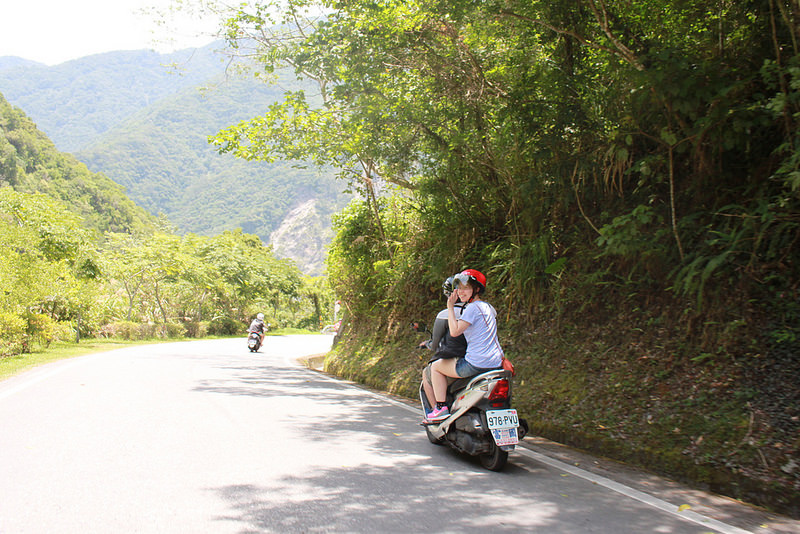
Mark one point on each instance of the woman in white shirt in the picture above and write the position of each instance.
(478, 323)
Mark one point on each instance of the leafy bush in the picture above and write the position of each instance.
(171, 331)
(62, 331)
(40, 328)
(133, 331)
(12, 334)
(196, 329)
(224, 326)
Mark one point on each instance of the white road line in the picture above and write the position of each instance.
(633, 494)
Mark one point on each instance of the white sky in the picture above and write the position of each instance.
(54, 31)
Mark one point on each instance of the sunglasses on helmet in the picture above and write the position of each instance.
(461, 278)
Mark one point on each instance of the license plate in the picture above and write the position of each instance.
(503, 426)
(502, 419)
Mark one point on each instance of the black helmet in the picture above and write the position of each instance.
(447, 286)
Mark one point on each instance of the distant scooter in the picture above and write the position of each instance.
(254, 341)
(482, 422)
(256, 333)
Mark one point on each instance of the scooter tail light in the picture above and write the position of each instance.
(500, 391)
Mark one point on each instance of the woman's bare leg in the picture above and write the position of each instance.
(440, 370)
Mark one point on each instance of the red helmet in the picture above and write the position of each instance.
(471, 274)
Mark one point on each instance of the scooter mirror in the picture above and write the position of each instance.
(418, 326)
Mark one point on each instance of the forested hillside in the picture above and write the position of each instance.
(77, 101)
(144, 119)
(163, 157)
(30, 163)
(626, 174)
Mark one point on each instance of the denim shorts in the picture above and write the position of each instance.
(464, 369)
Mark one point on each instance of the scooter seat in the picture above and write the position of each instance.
(461, 383)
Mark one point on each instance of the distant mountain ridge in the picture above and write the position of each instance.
(10, 62)
(30, 163)
(76, 101)
(146, 126)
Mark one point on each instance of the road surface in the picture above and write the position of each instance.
(205, 436)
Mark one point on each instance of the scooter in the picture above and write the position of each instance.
(481, 422)
(254, 341)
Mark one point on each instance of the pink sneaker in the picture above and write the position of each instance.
(439, 414)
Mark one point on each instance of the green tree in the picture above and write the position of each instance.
(505, 121)
(47, 263)
(167, 278)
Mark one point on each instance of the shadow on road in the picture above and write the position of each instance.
(416, 486)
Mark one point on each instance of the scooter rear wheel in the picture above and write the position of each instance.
(495, 460)
(432, 439)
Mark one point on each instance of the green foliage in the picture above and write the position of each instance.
(163, 285)
(133, 331)
(12, 334)
(627, 235)
(230, 277)
(360, 259)
(613, 116)
(43, 330)
(224, 326)
(48, 266)
(29, 163)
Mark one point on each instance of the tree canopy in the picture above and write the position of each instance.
(653, 134)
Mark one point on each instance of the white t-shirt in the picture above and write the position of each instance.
(483, 348)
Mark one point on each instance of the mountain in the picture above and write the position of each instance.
(176, 172)
(76, 101)
(30, 163)
(143, 119)
(10, 62)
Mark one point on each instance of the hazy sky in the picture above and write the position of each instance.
(54, 31)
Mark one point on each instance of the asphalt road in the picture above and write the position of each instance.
(204, 436)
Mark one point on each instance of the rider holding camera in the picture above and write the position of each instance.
(478, 323)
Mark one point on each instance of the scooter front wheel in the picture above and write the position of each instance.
(494, 460)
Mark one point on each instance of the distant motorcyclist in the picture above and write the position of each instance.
(258, 327)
